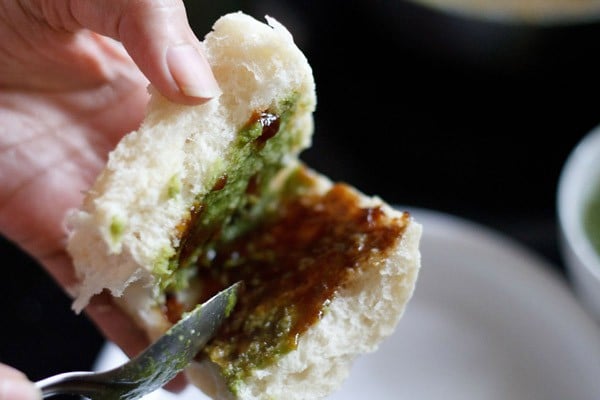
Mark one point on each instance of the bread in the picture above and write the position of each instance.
(131, 214)
(201, 196)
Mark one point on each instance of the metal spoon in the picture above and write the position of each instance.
(156, 365)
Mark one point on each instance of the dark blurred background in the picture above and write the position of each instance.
(464, 116)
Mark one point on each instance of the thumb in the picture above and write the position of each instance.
(14, 385)
(157, 36)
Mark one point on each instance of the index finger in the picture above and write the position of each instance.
(157, 36)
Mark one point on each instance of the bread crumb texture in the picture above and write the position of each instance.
(126, 228)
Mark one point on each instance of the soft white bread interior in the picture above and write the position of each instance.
(130, 216)
(218, 171)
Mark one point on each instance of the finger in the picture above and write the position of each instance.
(116, 325)
(8, 372)
(14, 385)
(112, 321)
(177, 384)
(157, 36)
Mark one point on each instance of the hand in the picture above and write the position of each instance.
(73, 81)
(14, 385)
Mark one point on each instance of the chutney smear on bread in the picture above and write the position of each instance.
(203, 196)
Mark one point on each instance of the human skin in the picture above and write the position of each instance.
(73, 81)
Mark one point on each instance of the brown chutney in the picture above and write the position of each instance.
(292, 264)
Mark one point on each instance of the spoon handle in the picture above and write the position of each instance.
(76, 383)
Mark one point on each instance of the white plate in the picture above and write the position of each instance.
(489, 320)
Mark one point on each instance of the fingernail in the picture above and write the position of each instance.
(191, 72)
(18, 389)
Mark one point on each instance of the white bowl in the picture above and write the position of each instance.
(579, 179)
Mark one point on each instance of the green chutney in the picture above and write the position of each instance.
(591, 217)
